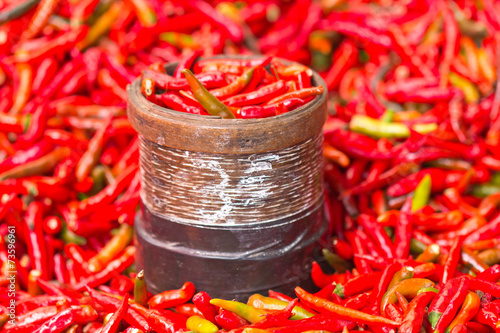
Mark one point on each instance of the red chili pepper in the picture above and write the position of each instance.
(229, 320)
(446, 304)
(414, 315)
(114, 267)
(452, 261)
(114, 321)
(262, 95)
(202, 302)
(110, 304)
(403, 231)
(171, 298)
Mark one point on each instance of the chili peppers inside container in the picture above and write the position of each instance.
(233, 205)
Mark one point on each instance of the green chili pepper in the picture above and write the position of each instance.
(377, 128)
(247, 312)
(69, 236)
(404, 274)
(422, 193)
(140, 290)
(209, 102)
(485, 190)
(16, 10)
(201, 325)
(387, 116)
(338, 263)
(416, 246)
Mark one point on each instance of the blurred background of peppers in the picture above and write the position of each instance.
(414, 99)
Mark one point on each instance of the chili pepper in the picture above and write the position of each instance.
(61, 43)
(486, 231)
(413, 317)
(80, 315)
(402, 301)
(108, 194)
(140, 291)
(15, 10)
(430, 253)
(470, 259)
(34, 236)
(42, 165)
(302, 93)
(110, 304)
(487, 318)
(121, 239)
(382, 285)
(235, 86)
(199, 324)
(422, 193)
(407, 288)
(378, 234)
(23, 89)
(358, 284)
(344, 58)
(44, 10)
(356, 302)
(160, 323)
(209, 102)
(323, 305)
(229, 320)
(171, 298)
(117, 265)
(469, 309)
(405, 273)
(403, 231)
(249, 313)
(34, 317)
(452, 293)
(114, 321)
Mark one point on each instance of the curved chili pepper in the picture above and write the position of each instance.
(229, 320)
(302, 93)
(253, 315)
(117, 244)
(469, 309)
(452, 293)
(171, 298)
(322, 305)
(407, 288)
(266, 303)
(199, 324)
(414, 316)
(116, 266)
(264, 94)
(209, 102)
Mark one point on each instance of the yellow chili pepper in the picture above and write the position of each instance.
(112, 248)
(468, 88)
(201, 325)
(102, 25)
(248, 312)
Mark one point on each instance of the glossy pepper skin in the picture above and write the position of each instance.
(171, 298)
(414, 315)
(453, 293)
(209, 102)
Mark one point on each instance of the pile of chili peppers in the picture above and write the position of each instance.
(412, 172)
(251, 93)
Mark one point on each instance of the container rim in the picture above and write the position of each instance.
(302, 123)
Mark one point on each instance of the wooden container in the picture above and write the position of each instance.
(234, 206)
